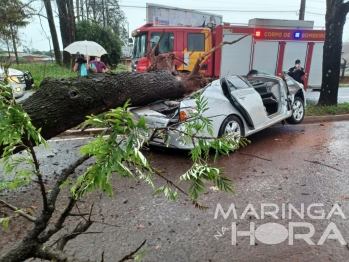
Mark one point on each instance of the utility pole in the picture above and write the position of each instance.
(302, 10)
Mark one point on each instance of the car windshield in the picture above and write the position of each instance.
(193, 95)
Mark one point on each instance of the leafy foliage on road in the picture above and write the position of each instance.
(118, 154)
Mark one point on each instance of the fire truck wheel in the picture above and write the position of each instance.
(231, 125)
(298, 112)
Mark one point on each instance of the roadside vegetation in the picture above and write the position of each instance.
(314, 110)
(40, 71)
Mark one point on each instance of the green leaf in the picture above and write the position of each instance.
(5, 222)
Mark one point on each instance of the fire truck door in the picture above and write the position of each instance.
(294, 51)
(196, 43)
(315, 73)
(265, 56)
(236, 58)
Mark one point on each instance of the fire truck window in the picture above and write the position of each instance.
(196, 42)
(140, 45)
(166, 44)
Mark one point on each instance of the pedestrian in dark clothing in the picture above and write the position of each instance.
(297, 72)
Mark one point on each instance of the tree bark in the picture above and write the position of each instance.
(13, 35)
(335, 18)
(67, 27)
(77, 9)
(51, 23)
(71, 17)
(60, 104)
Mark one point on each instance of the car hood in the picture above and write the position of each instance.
(11, 72)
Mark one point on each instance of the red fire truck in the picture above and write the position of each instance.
(271, 46)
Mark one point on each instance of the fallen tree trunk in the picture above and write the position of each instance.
(60, 104)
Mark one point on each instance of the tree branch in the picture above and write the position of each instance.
(63, 177)
(18, 211)
(317, 162)
(254, 156)
(79, 229)
(78, 214)
(130, 256)
(53, 197)
(157, 172)
(152, 51)
(71, 235)
(49, 253)
(38, 174)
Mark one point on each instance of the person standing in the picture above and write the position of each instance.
(83, 67)
(297, 72)
(101, 67)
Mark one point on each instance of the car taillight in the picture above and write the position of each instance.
(182, 116)
(185, 113)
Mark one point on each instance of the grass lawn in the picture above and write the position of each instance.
(340, 109)
(40, 71)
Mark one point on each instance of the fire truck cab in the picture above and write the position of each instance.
(271, 46)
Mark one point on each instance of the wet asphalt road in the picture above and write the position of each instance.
(313, 96)
(272, 170)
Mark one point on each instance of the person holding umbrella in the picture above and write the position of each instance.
(83, 66)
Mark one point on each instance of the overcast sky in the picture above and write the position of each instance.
(233, 11)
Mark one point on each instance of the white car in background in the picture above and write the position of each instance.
(240, 105)
(18, 80)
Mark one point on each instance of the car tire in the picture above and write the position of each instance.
(298, 112)
(231, 125)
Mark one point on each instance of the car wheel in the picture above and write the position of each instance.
(231, 125)
(298, 112)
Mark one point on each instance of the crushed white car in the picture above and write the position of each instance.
(19, 81)
(240, 105)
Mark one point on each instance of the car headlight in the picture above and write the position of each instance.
(18, 89)
(13, 79)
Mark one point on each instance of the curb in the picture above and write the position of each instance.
(330, 118)
(306, 120)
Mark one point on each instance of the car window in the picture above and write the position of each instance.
(235, 83)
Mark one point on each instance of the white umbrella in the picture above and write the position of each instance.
(86, 47)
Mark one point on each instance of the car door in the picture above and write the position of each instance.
(246, 100)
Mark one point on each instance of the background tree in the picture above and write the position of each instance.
(104, 36)
(5, 41)
(67, 26)
(51, 23)
(13, 15)
(107, 13)
(336, 13)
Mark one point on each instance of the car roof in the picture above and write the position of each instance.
(11, 71)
